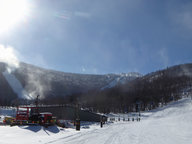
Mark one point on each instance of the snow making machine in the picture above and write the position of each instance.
(28, 115)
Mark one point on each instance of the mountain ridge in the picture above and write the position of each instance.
(27, 81)
(51, 83)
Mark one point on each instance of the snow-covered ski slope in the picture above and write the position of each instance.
(16, 85)
(168, 125)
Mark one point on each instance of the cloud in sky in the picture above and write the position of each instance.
(8, 56)
(68, 15)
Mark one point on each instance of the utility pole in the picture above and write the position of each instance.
(77, 118)
(37, 103)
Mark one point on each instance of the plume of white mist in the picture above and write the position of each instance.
(8, 56)
(163, 57)
(35, 85)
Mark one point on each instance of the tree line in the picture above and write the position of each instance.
(145, 93)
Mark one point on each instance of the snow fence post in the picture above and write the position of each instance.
(74, 123)
(101, 124)
(78, 124)
(101, 121)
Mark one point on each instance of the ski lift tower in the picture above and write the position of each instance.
(37, 103)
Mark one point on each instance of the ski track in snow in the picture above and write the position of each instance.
(113, 134)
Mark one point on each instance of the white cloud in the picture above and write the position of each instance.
(8, 56)
(68, 15)
(65, 15)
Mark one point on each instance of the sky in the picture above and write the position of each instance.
(102, 36)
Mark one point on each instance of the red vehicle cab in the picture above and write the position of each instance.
(30, 115)
(46, 117)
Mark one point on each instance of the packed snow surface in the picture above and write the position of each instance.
(171, 124)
